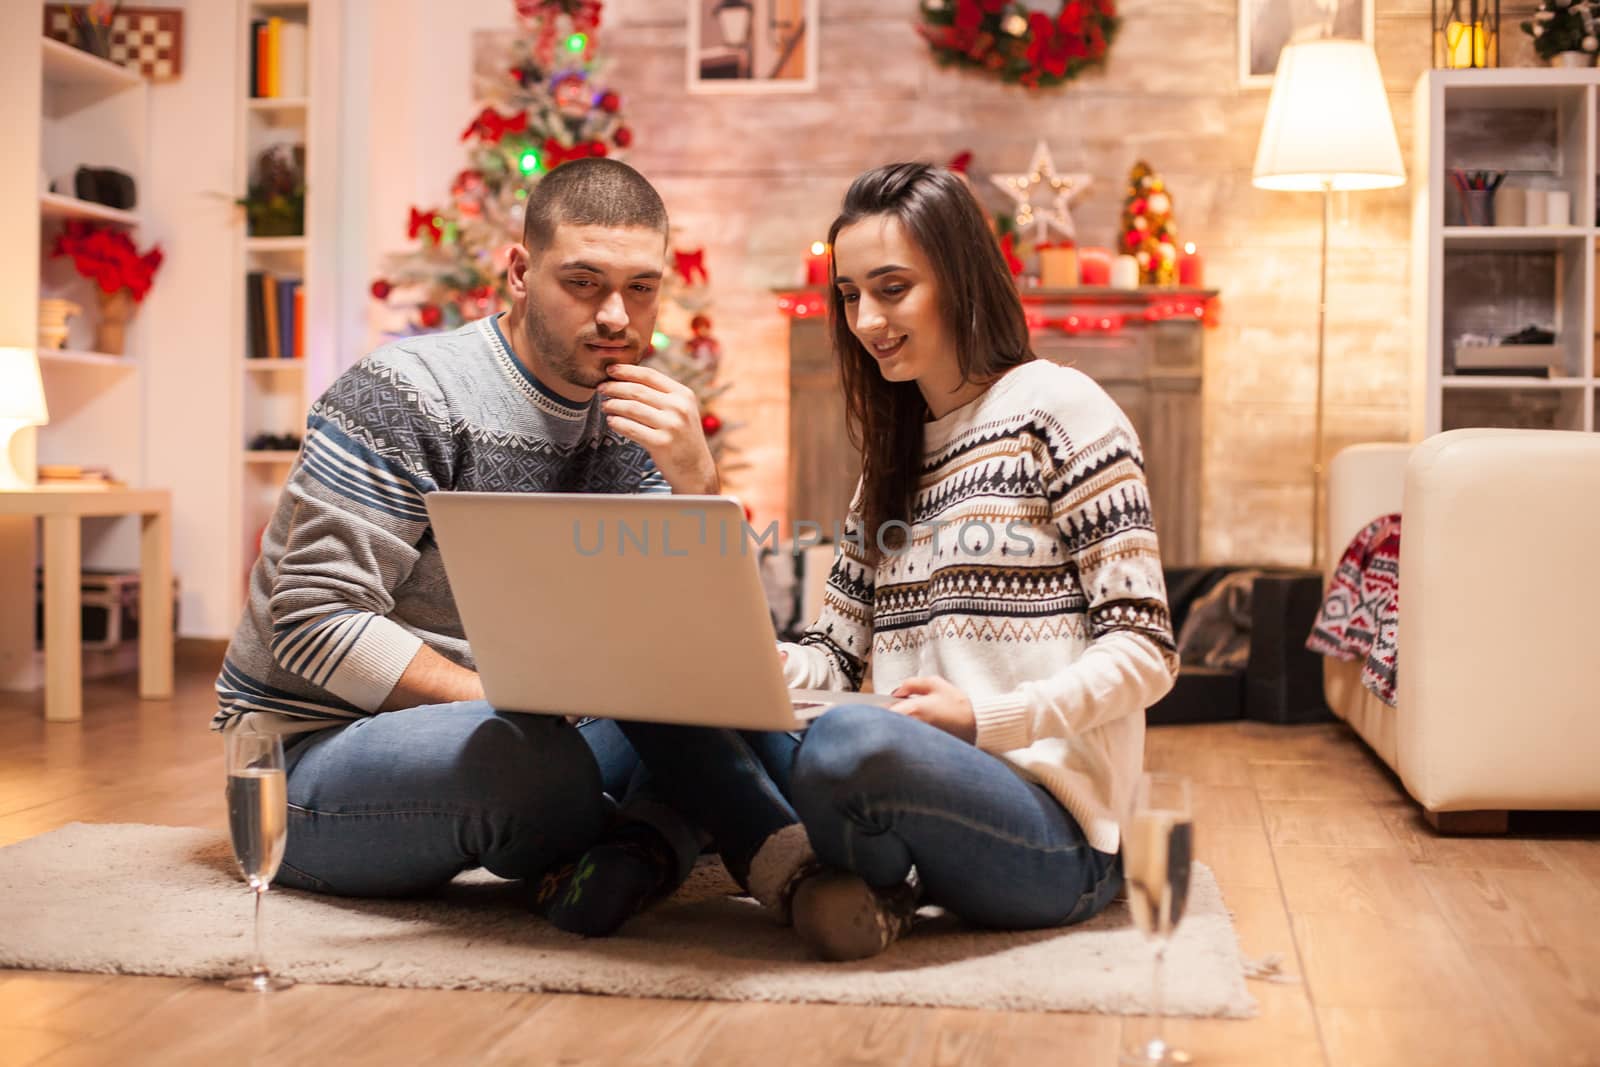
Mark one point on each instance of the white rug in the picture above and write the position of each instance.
(132, 899)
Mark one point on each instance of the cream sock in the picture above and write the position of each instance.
(775, 866)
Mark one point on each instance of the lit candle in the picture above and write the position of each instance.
(817, 264)
(1191, 268)
(1125, 273)
(1094, 266)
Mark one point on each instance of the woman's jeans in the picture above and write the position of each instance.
(878, 793)
(400, 803)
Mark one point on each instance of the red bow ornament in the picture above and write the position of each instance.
(425, 220)
(555, 153)
(688, 264)
(491, 126)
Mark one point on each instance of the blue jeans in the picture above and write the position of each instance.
(879, 793)
(399, 804)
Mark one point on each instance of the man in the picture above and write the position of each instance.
(400, 775)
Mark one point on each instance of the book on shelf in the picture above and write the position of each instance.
(269, 302)
(1510, 371)
(292, 60)
(279, 60)
(274, 309)
(258, 33)
(255, 316)
(73, 476)
(286, 317)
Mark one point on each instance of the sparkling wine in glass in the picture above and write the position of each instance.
(1157, 846)
(258, 818)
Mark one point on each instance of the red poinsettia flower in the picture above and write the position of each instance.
(108, 258)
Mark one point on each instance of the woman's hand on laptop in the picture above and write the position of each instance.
(662, 416)
(939, 703)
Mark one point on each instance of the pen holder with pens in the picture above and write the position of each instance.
(1475, 191)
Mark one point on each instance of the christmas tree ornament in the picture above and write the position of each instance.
(623, 137)
(710, 424)
(571, 93)
(1043, 197)
(430, 315)
(381, 289)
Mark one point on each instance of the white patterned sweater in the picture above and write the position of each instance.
(1032, 581)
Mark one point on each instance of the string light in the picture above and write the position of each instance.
(660, 341)
(530, 163)
(577, 42)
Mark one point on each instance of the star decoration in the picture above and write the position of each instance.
(1043, 197)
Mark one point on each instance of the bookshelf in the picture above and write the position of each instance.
(278, 377)
(1539, 127)
(65, 109)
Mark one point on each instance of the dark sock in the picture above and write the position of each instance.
(593, 896)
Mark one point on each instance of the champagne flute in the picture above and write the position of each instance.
(1157, 845)
(258, 817)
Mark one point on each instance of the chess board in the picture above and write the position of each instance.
(146, 39)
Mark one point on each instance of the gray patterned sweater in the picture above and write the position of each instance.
(349, 583)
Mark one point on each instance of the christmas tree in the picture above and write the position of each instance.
(547, 107)
(1148, 232)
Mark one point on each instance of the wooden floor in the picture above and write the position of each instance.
(1411, 948)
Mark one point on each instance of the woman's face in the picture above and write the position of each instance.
(892, 304)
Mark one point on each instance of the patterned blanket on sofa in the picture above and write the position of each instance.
(1360, 612)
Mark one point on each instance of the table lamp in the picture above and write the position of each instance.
(21, 405)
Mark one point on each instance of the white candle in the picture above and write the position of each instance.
(1558, 208)
(1125, 273)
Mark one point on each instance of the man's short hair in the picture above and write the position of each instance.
(590, 192)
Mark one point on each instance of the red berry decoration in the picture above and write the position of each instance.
(610, 101)
(381, 289)
(710, 424)
(430, 315)
(623, 137)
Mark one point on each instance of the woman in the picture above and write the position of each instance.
(1000, 577)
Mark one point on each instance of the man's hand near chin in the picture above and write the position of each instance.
(662, 416)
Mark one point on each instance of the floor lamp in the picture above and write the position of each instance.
(1328, 130)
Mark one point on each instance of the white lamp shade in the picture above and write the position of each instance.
(21, 390)
(1328, 122)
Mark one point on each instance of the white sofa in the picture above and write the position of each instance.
(1499, 639)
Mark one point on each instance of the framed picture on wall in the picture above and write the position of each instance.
(1265, 26)
(752, 46)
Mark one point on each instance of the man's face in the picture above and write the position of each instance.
(592, 298)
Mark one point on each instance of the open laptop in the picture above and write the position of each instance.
(645, 607)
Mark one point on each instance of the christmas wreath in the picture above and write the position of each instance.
(1018, 42)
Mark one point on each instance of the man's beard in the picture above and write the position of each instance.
(562, 356)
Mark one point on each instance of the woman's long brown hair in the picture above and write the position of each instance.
(982, 312)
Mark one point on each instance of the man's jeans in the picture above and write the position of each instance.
(879, 792)
(400, 803)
